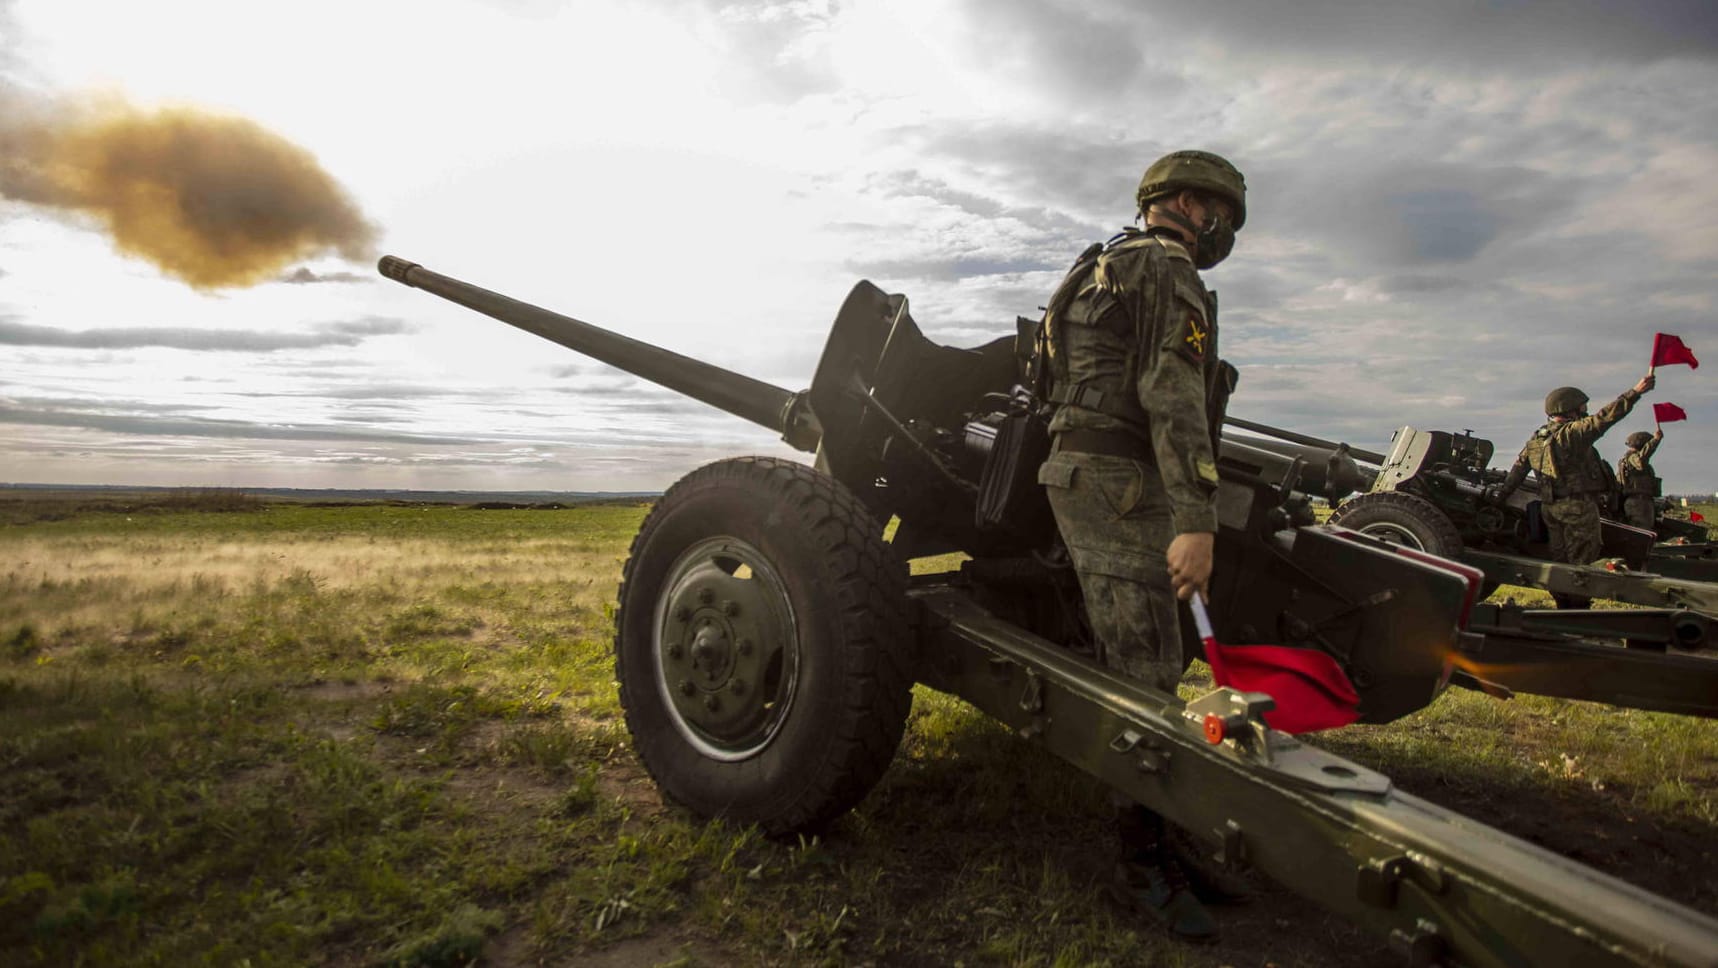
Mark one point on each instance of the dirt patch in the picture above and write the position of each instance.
(344, 691)
(1598, 828)
(662, 949)
(333, 708)
(625, 781)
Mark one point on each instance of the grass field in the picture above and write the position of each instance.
(287, 735)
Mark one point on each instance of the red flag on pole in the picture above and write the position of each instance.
(1311, 690)
(1668, 413)
(1668, 349)
(1696, 517)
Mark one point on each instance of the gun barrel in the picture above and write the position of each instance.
(1370, 456)
(762, 403)
(1329, 473)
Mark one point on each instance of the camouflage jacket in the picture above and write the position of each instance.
(1131, 341)
(1562, 455)
(1634, 471)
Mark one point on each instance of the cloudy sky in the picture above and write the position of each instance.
(1453, 208)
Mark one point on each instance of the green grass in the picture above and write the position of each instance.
(388, 735)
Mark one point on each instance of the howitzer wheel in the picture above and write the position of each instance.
(1403, 519)
(761, 645)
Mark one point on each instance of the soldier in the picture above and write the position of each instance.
(1131, 350)
(1640, 486)
(1575, 484)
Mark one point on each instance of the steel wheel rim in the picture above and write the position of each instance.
(1395, 534)
(725, 647)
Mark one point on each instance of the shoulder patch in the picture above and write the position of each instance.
(1187, 330)
(1190, 334)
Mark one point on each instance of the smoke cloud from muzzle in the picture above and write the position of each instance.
(215, 200)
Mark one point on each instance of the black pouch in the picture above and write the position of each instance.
(1009, 495)
(1537, 530)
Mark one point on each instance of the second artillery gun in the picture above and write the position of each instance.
(1430, 490)
(1429, 493)
(768, 638)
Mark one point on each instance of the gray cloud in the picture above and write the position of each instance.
(370, 326)
(1081, 172)
(385, 391)
(772, 50)
(73, 403)
(349, 333)
(948, 269)
(914, 184)
(1091, 46)
(119, 423)
(371, 395)
(1081, 50)
(637, 403)
(1501, 34)
(304, 276)
(369, 416)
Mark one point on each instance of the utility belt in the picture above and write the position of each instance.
(1108, 443)
(1561, 495)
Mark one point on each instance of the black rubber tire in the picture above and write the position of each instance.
(1405, 519)
(838, 715)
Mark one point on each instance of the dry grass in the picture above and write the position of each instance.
(387, 735)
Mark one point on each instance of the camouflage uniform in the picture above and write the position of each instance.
(1574, 482)
(1132, 351)
(1640, 486)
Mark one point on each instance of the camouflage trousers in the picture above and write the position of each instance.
(1575, 530)
(1113, 515)
(1640, 510)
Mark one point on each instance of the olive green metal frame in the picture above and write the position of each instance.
(1641, 588)
(1444, 889)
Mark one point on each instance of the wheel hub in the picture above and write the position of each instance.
(1393, 534)
(726, 648)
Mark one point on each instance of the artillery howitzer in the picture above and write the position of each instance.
(767, 640)
(1428, 493)
(1429, 490)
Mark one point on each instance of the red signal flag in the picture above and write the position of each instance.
(1668, 413)
(1310, 688)
(1696, 517)
(1668, 349)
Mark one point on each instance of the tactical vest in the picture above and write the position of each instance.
(1565, 472)
(1081, 300)
(1636, 477)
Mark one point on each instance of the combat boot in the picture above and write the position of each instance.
(1148, 882)
(1154, 887)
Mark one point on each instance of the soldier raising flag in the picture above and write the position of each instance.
(1640, 486)
(1574, 481)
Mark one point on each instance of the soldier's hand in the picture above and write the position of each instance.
(1646, 383)
(1659, 435)
(1190, 563)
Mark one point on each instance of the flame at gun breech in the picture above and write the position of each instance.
(1487, 674)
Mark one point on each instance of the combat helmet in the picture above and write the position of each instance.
(1200, 171)
(1564, 400)
(1639, 439)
